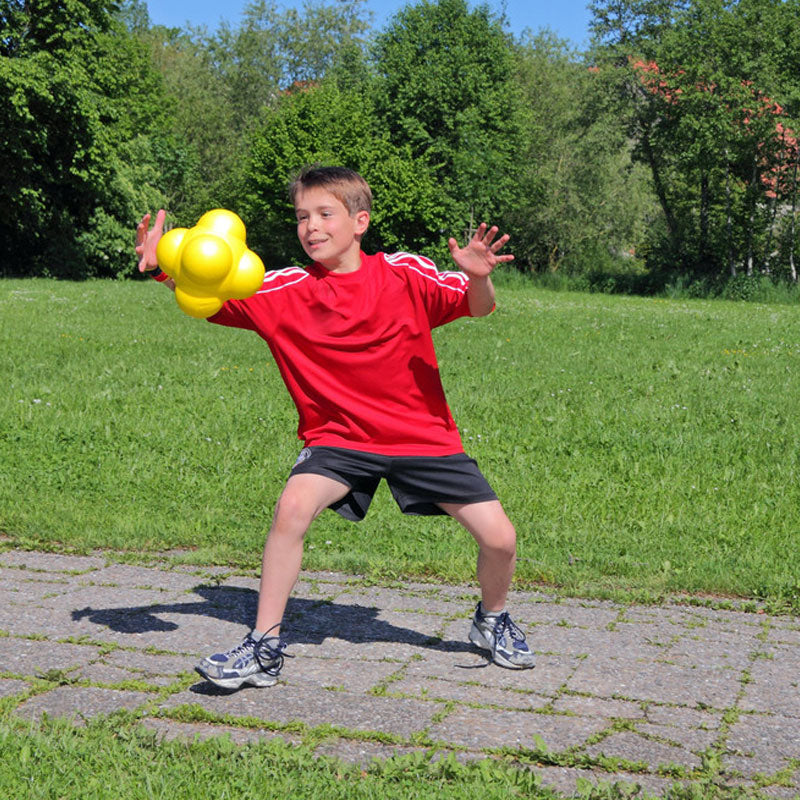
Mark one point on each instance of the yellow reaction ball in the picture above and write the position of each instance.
(210, 263)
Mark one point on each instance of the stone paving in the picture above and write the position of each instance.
(639, 695)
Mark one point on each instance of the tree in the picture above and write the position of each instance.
(202, 167)
(585, 205)
(707, 85)
(220, 84)
(312, 40)
(628, 25)
(445, 89)
(322, 124)
(270, 50)
(75, 97)
(133, 14)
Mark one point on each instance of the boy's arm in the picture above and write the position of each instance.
(146, 241)
(477, 260)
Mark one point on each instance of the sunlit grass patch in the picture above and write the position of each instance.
(646, 446)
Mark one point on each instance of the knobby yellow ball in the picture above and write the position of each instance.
(210, 263)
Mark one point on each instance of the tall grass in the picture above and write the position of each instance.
(640, 445)
(634, 279)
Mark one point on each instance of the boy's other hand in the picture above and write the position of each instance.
(147, 239)
(479, 258)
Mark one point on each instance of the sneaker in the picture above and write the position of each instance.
(502, 638)
(255, 662)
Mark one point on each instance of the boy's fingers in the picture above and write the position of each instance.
(147, 239)
(500, 242)
(141, 235)
(480, 231)
(487, 236)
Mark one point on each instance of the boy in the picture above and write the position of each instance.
(351, 335)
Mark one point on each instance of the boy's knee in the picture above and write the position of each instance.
(508, 541)
(305, 497)
(292, 511)
(290, 507)
(502, 540)
(301, 503)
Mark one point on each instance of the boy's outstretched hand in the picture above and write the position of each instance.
(479, 258)
(146, 240)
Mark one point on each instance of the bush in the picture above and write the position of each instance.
(747, 288)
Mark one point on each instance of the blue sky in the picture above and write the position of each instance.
(568, 18)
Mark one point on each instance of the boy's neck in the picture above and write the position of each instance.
(351, 262)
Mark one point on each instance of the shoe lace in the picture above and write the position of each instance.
(504, 624)
(249, 643)
(270, 657)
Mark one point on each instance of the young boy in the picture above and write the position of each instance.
(351, 335)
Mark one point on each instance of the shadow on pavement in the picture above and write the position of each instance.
(305, 622)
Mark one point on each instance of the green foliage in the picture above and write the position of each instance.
(220, 84)
(200, 152)
(74, 92)
(32, 26)
(667, 154)
(585, 205)
(325, 124)
(710, 93)
(312, 40)
(742, 287)
(133, 14)
(446, 89)
(275, 48)
(105, 243)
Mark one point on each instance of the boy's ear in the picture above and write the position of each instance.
(362, 222)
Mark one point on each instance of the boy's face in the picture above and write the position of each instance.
(328, 233)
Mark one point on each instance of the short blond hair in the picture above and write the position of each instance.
(346, 185)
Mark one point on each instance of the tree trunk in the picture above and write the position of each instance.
(729, 216)
(793, 221)
(661, 193)
(470, 231)
(752, 218)
(703, 249)
(765, 268)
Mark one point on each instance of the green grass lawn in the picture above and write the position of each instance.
(641, 446)
(115, 758)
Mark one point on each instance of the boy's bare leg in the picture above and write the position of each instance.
(492, 630)
(303, 499)
(497, 547)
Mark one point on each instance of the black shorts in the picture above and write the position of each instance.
(417, 483)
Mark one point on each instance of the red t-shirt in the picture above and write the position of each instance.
(356, 353)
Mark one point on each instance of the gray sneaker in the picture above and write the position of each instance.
(503, 639)
(255, 662)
